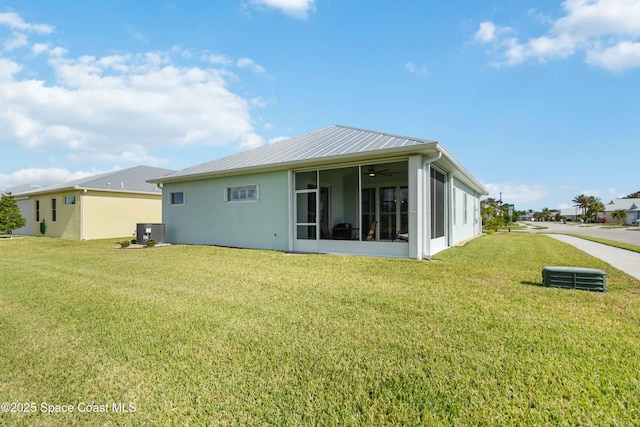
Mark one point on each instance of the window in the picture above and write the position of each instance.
(177, 198)
(69, 200)
(466, 208)
(437, 204)
(37, 210)
(241, 194)
(53, 209)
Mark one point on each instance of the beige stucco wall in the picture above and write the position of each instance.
(108, 214)
(96, 214)
(67, 223)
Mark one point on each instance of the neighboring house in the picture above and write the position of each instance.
(24, 204)
(335, 190)
(95, 207)
(631, 206)
(572, 213)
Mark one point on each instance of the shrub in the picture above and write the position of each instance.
(151, 243)
(124, 244)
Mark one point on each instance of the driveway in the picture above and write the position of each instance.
(629, 235)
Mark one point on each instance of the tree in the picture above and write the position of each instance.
(595, 208)
(590, 205)
(635, 195)
(619, 215)
(581, 201)
(10, 216)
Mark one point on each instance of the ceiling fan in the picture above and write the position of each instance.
(373, 172)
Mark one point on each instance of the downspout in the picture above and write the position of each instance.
(426, 235)
(82, 214)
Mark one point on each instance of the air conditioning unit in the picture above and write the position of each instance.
(145, 232)
(589, 279)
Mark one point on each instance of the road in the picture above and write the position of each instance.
(629, 235)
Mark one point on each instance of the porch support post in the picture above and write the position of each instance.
(416, 207)
(291, 203)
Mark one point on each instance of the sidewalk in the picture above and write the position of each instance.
(622, 259)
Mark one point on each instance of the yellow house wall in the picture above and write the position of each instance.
(107, 215)
(67, 223)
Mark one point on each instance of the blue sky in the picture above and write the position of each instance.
(539, 100)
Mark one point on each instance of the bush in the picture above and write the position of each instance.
(151, 243)
(124, 244)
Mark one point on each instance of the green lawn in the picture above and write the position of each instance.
(195, 335)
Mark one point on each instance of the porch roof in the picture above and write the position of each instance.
(330, 145)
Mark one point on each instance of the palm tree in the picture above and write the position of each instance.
(588, 204)
(619, 215)
(595, 208)
(581, 201)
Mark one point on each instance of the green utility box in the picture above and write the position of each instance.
(588, 279)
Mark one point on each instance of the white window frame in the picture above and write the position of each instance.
(228, 191)
(67, 198)
(184, 199)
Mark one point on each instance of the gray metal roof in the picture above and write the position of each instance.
(325, 146)
(626, 204)
(21, 188)
(327, 143)
(131, 180)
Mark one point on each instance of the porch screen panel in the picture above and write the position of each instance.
(437, 204)
(388, 218)
(306, 215)
(404, 210)
(368, 210)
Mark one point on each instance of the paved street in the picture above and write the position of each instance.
(629, 235)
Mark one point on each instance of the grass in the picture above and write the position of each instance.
(195, 335)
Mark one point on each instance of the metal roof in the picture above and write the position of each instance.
(626, 204)
(20, 188)
(331, 144)
(333, 141)
(131, 180)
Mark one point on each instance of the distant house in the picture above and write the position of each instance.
(572, 213)
(630, 206)
(335, 190)
(96, 207)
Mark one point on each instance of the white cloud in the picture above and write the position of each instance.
(17, 40)
(119, 107)
(621, 57)
(41, 176)
(517, 194)
(486, 33)
(296, 8)
(278, 138)
(415, 69)
(15, 22)
(248, 63)
(39, 48)
(606, 31)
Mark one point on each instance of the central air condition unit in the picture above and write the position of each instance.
(148, 231)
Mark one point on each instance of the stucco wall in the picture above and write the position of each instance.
(67, 223)
(107, 215)
(464, 228)
(206, 218)
(26, 210)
